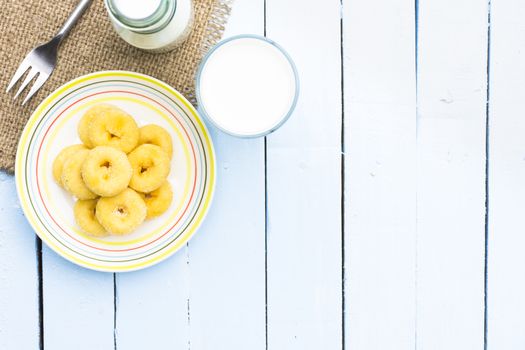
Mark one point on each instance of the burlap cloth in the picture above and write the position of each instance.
(92, 45)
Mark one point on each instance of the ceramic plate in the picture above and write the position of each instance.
(49, 208)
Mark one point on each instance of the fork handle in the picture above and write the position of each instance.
(73, 18)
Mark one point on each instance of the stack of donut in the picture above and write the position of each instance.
(118, 174)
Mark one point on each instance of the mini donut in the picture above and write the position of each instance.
(71, 177)
(111, 126)
(159, 200)
(151, 166)
(85, 217)
(122, 214)
(158, 136)
(61, 158)
(106, 171)
(83, 126)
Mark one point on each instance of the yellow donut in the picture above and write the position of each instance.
(83, 126)
(106, 171)
(60, 160)
(159, 200)
(158, 136)
(122, 214)
(151, 166)
(111, 126)
(86, 219)
(72, 177)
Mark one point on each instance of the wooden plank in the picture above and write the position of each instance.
(19, 300)
(506, 260)
(304, 184)
(78, 305)
(380, 174)
(227, 293)
(154, 302)
(451, 174)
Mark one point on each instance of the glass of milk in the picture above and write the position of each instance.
(247, 86)
(152, 25)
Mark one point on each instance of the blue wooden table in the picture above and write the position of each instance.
(386, 214)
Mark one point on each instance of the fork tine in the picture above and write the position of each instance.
(32, 73)
(24, 66)
(36, 86)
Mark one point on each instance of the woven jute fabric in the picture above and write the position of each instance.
(91, 46)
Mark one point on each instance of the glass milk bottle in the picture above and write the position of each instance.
(152, 25)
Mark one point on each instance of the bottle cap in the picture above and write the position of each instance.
(136, 9)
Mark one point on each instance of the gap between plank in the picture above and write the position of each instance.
(265, 245)
(416, 53)
(265, 213)
(487, 163)
(188, 302)
(114, 311)
(38, 244)
(343, 241)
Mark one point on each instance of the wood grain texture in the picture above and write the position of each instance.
(380, 183)
(506, 258)
(152, 306)
(304, 184)
(414, 203)
(19, 315)
(78, 305)
(452, 87)
(226, 258)
(227, 296)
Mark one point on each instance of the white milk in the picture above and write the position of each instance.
(247, 87)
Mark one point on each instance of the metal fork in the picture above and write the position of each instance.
(42, 59)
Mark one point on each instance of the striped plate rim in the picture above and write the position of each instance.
(26, 171)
